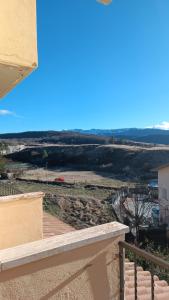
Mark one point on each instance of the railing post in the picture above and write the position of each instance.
(121, 262)
(152, 282)
(135, 276)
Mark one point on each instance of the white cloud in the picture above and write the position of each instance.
(5, 112)
(163, 125)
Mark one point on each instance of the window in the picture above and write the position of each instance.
(164, 193)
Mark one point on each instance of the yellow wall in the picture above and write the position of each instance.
(18, 42)
(20, 219)
(87, 273)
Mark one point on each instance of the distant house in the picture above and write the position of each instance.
(163, 185)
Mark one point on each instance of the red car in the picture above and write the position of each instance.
(60, 179)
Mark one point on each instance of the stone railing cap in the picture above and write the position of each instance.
(18, 197)
(27, 253)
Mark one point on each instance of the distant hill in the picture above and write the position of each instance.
(54, 137)
(148, 135)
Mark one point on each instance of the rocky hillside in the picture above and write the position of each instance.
(80, 212)
(122, 160)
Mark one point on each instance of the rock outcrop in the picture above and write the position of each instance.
(80, 212)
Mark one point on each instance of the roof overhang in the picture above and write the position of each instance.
(18, 46)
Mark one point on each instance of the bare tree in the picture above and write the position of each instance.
(137, 210)
(134, 210)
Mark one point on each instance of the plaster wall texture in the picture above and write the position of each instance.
(87, 273)
(20, 219)
(18, 46)
(163, 185)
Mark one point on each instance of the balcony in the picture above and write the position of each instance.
(58, 262)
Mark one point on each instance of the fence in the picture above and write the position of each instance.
(8, 189)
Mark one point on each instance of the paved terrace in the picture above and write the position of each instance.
(53, 226)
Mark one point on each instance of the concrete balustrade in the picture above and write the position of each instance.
(81, 265)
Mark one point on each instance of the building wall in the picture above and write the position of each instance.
(87, 273)
(20, 219)
(163, 183)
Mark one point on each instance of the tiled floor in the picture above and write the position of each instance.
(53, 226)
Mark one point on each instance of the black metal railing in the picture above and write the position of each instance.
(153, 263)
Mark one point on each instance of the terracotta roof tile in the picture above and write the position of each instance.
(161, 288)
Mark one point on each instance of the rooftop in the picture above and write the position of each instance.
(161, 288)
(163, 166)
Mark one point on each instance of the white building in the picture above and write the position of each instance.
(163, 186)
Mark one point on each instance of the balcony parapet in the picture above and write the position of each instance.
(20, 219)
(31, 252)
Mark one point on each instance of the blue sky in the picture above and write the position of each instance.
(99, 67)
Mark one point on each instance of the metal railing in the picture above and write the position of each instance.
(7, 189)
(138, 253)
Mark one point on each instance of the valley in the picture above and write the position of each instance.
(79, 174)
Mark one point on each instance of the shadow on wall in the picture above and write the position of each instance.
(92, 269)
(85, 273)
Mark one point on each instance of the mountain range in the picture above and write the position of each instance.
(92, 136)
(147, 135)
